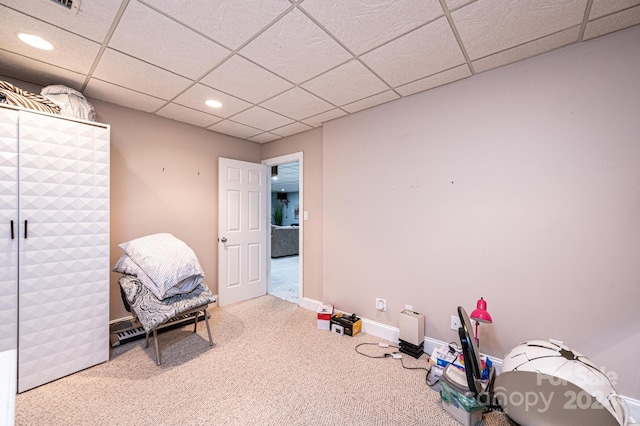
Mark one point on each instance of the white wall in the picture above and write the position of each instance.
(521, 185)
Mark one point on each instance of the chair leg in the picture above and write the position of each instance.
(195, 322)
(206, 321)
(155, 340)
(146, 340)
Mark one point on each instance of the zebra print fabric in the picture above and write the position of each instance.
(151, 311)
(16, 96)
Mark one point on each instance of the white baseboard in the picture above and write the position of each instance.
(390, 333)
(310, 304)
(380, 330)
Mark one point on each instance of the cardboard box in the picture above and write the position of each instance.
(324, 325)
(324, 317)
(351, 325)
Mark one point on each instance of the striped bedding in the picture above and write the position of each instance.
(16, 96)
(151, 311)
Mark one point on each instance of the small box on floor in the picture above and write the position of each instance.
(324, 317)
(351, 324)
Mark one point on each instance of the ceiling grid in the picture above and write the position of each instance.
(281, 67)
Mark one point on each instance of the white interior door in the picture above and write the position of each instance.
(242, 232)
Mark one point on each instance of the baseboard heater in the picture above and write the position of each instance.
(129, 330)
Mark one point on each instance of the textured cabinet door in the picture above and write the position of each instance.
(63, 262)
(8, 213)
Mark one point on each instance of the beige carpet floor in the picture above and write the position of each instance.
(270, 366)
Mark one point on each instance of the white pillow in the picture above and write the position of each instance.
(169, 263)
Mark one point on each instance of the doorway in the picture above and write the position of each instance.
(285, 222)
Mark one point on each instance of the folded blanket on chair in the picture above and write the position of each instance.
(151, 311)
(164, 264)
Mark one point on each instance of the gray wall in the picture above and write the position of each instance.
(520, 185)
(164, 178)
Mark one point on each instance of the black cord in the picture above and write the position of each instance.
(414, 368)
(430, 384)
(453, 349)
(391, 355)
(385, 355)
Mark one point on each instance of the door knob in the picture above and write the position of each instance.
(223, 240)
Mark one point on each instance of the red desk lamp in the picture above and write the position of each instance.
(480, 314)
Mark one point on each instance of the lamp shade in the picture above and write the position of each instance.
(480, 314)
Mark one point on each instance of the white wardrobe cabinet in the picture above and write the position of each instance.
(54, 247)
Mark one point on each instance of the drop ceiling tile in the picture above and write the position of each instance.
(245, 80)
(440, 79)
(361, 26)
(92, 21)
(527, 50)
(154, 38)
(264, 137)
(490, 26)
(297, 104)
(121, 96)
(71, 52)
(188, 115)
(317, 120)
(611, 23)
(230, 23)
(123, 70)
(196, 96)
(291, 129)
(426, 51)
(374, 100)
(346, 84)
(599, 8)
(455, 4)
(295, 48)
(27, 69)
(261, 118)
(234, 129)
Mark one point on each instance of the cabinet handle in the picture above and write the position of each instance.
(12, 234)
(25, 229)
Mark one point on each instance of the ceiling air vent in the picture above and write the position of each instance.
(72, 6)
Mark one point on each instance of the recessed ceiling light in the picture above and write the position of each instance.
(35, 41)
(213, 104)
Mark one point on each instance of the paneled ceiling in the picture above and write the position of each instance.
(285, 177)
(280, 67)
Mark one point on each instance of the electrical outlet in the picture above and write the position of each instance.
(381, 304)
(455, 322)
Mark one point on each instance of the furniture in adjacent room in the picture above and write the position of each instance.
(54, 268)
(284, 240)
